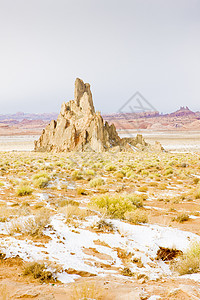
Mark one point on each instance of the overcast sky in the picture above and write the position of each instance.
(118, 46)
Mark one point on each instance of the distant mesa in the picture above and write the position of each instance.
(80, 128)
(182, 111)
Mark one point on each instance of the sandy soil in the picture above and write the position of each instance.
(14, 286)
(17, 143)
(179, 141)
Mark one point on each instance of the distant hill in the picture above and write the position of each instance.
(24, 123)
(19, 116)
(182, 119)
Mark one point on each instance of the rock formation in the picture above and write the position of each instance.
(80, 128)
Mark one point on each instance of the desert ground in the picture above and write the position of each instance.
(177, 141)
(113, 225)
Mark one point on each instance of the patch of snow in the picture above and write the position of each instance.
(42, 196)
(195, 276)
(67, 244)
(154, 297)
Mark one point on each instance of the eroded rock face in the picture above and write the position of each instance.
(78, 127)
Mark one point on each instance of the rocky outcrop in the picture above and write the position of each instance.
(78, 127)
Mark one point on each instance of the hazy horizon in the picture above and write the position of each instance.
(118, 47)
(114, 112)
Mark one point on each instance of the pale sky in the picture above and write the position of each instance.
(118, 46)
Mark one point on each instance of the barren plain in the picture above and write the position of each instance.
(100, 226)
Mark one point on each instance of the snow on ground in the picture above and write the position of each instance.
(67, 244)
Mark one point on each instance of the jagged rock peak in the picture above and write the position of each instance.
(83, 95)
(78, 127)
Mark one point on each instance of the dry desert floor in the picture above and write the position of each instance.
(99, 226)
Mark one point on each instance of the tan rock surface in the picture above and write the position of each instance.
(80, 128)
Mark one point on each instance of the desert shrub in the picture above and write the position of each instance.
(196, 180)
(119, 175)
(90, 172)
(182, 217)
(136, 216)
(114, 206)
(143, 189)
(144, 173)
(127, 272)
(167, 254)
(162, 186)
(137, 200)
(72, 211)
(87, 290)
(39, 205)
(24, 189)
(77, 175)
(64, 202)
(189, 262)
(153, 183)
(130, 174)
(38, 271)
(81, 191)
(41, 180)
(168, 171)
(97, 166)
(96, 182)
(103, 226)
(33, 225)
(197, 194)
(41, 174)
(110, 168)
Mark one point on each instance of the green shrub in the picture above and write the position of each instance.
(96, 182)
(90, 172)
(24, 189)
(143, 189)
(119, 175)
(136, 200)
(168, 171)
(196, 180)
(81, 191)
(110, 168)
(197, 194)
(64, 202)
(190, 261)
(41, 174)
(136, 216)
(77, 175)
(41, 180)
(114, 206)
(182, 217)
(73, 211)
